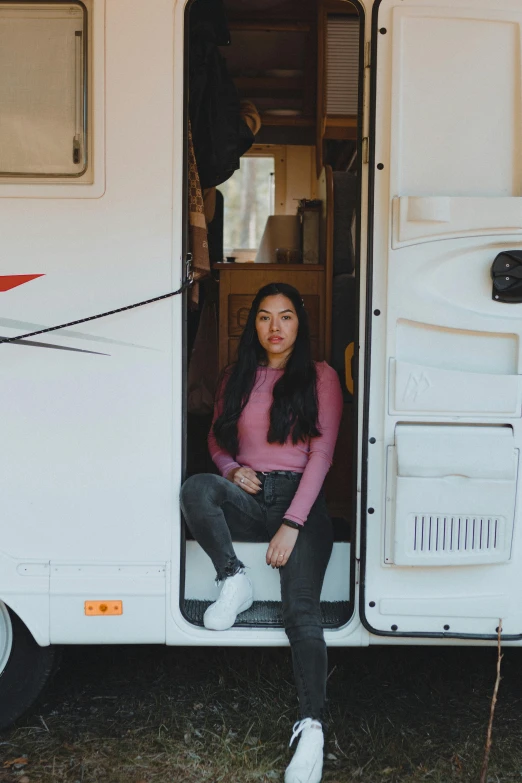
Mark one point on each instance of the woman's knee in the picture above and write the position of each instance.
(302, 608)
(312, 633)
(200, 488)
(305, 623)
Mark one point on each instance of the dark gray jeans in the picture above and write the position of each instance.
(217, 512)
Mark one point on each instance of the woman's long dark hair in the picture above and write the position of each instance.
(294, 407)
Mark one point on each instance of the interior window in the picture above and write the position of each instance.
(43, 87)
(249, 197)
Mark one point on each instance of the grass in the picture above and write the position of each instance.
(185, 715)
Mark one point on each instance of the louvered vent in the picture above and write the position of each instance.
(342, 65)
(441, 535)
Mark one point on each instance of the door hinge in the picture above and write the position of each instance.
(367, 54)
(365, 149)
(189, 272)
(357, 571)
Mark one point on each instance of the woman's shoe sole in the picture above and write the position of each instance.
(292, 779)
(244, 606)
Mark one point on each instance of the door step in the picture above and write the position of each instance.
(268, 613)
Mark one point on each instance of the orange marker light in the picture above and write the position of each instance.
(100, 608)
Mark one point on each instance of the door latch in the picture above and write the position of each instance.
(506, 274)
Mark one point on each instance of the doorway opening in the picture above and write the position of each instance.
(289, 212)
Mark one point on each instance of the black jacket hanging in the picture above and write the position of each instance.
(219, 133)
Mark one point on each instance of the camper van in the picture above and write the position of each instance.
(385, 183)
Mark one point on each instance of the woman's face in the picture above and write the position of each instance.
(277, 325)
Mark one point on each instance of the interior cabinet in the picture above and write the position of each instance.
(238, 284)
(300, 68)
(273, 64)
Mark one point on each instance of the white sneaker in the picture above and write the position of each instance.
(307, 763)
(236, 596)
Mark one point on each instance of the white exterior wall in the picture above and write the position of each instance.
(93, 467)
(91, 472)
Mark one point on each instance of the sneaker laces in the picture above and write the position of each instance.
(301, 725)
(228, 591)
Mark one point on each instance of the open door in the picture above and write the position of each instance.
(442, 545)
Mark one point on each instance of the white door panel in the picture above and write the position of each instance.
(455, 274)
(425, 218)
(444, 416)
(456, 98)
(419, 389)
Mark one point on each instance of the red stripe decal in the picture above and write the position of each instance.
(12, 281)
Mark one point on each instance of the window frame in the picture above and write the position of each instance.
(278, 153)
(85, 92)
(90, 184)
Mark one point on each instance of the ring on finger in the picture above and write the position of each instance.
(242, 481)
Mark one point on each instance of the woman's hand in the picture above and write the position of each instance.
(281, 546)
(245, 478)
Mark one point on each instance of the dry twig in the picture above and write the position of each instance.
(487, 749)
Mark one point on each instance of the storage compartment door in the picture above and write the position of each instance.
(451, 494)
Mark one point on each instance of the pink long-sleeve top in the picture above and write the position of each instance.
(312, 458)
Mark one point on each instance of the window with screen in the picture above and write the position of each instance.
(43, 89)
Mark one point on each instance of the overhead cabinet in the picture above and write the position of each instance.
(301, 71)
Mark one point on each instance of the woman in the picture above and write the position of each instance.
(275, 425)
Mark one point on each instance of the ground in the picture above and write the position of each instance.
(186, 715)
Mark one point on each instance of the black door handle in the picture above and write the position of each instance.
(506, 273)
